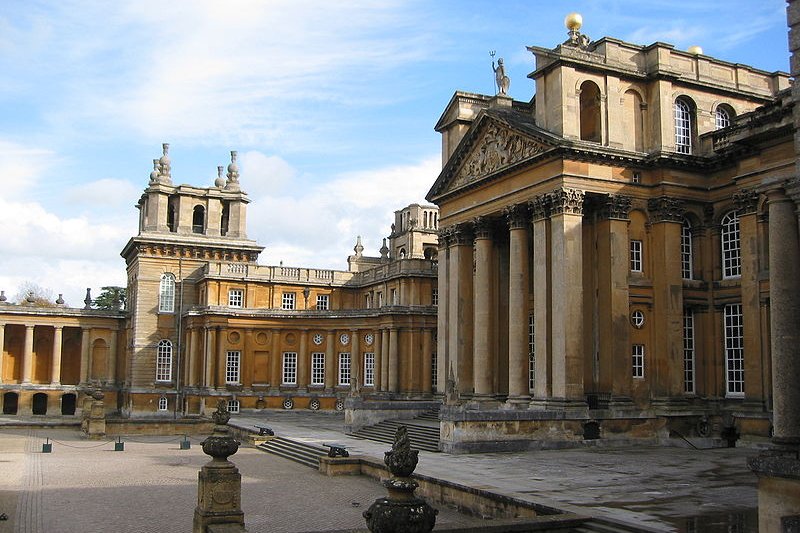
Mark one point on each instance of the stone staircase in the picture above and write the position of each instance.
(422, 430)
(601, 526)
(299, 452)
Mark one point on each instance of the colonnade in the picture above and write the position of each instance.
(55, 370)
(398, 367)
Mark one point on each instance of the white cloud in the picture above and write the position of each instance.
(317, 225)
(107, 194)
(265, 174)
(22, 167)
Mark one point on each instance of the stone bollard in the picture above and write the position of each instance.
(94, 423)
(401, 512)
(219, 486)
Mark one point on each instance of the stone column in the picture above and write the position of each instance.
(112, 358)
(518, 293)
(27, 356)
(376, 347)
(567, 309)
(459, 313)
(330, 361)
(666, 358)
(540, 213)
(442, 316)
(394, 366)
(784, 294)
(427, 361)
(613, 267)
(2, 349)
(385, 334)
(220, 357)
(482, 357)
(276, 360)
(208, 358)
(355, 360)
(55, 369)
(302, 362)
(192, 351)
(746, 202)
(85, 339)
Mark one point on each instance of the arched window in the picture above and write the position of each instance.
(164, 361)
(171, 218)
(722, 117)
(166, 293)
(686, 250)
(633, 121)
(683, 127)
(731, 246)
(198, 219)
(590, 111)
(402, 253)
(162, 403)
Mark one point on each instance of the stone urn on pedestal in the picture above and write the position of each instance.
(401, 511)
(219, 487)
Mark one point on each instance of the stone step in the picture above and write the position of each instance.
(383, 433)
(298, 452)
(422, 438)
(391, 429)
(595, 525)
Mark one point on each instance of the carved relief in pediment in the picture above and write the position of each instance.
(499, 148)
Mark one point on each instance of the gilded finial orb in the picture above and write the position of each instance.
(695, 50)
(573, 21)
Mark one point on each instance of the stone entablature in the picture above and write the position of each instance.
(663, 60)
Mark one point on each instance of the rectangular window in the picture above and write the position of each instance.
(734, 350)
(233, 406)
(323, 302)
(235, 298)
(369, 369)
(289, 368)
(287, 302)
(344, 369)
(395, 299)
(435, 296)
(636, 256)
(380, 299)
(367, 301)
(232, 365)
(637, 354)
(637, 177)
(434, 371)
(686, 251)
(531, 354)
(318, 368)
(688, 351)
(164, 361)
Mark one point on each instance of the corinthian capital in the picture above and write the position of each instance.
(615, 206)
(517, 216)
(745, 201)
(540, 207)
(482, 228)
(567, 201)
(665, 209)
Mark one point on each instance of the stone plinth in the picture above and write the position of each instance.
(778, 489)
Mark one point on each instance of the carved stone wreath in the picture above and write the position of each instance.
(288, 403)
(314, 404)
(340, 405)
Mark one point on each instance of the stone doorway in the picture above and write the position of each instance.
(68, 402)
(10, 403)
(39, 403)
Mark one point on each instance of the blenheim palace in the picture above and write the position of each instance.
(609, 258)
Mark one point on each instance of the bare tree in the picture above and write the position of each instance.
(39, 296)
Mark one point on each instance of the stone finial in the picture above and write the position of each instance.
(60, 299)
(233, 172)
(156, 172)
(30, 299)
(574, 22)
(3, 298)
(220, 181)
(401, 511)
(165, 165)
(358, 248)
(384, 251)
(88, 300)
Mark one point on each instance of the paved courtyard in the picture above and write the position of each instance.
(85, 486)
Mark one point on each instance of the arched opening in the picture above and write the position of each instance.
(402, 253)
(684, 125)
(723, 116)
(225, 218)
(431, 253)
(590, 112)
(633, 121)
(198, 219)
(39, 406)
(10, 403)
(100, 354)
(68, 403)
(171, 218)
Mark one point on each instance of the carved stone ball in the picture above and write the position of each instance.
(573, 21)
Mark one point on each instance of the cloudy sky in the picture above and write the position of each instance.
(331, 106)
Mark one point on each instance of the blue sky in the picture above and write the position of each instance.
(331, 106)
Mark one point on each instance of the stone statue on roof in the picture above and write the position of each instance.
(502, 80)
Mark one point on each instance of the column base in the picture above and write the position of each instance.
(482, 401)
(517, 402)
(564, 405)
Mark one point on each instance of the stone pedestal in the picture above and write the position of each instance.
(778, 474)
(219, 486)
(94, 415)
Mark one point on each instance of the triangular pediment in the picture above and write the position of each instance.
(489, 148)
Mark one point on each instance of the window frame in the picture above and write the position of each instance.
(345, 369)
(730, 245)
(637, 361)
(683, 126)
(722, 117)
(687, 251)
(166, 293)
(234, 406)
(369, 369)
(236, 298)
(289, 301)
(733, 334)
(317, 368)
(163, 404)
(233, 367)
(289, 368)
(636, 256)
(689, 356)
(323, 302)
(164, 361)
